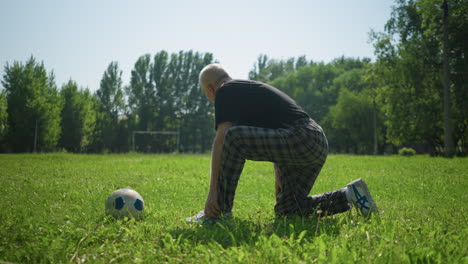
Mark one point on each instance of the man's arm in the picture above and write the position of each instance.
(212, 208)
(278, 180)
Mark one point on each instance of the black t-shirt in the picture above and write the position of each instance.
(252, 103)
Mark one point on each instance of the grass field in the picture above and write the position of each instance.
(52, 211)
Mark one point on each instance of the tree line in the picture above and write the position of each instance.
(163, 95)
(365, 107)
(398, 100)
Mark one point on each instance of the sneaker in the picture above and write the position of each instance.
(201, 218)
(358, 195)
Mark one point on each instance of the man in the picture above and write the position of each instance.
(256, 121)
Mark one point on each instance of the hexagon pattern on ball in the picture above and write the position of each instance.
(125, 202)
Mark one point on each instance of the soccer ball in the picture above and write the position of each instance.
(125, 203)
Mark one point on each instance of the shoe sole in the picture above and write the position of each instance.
(200, 218)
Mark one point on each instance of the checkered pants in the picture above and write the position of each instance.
(298, 153)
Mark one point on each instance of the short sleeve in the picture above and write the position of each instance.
(226, 106)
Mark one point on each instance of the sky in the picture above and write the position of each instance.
(79, 39)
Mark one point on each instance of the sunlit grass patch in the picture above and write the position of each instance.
(52, 210)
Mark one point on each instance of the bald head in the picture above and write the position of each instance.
(211, 78)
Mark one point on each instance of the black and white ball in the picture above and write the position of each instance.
(125, 202)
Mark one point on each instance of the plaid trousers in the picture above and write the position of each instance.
(298, 153)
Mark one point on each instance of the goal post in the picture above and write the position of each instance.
(156, 133)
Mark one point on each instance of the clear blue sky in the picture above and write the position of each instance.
(78, 39)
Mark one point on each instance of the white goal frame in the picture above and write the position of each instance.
(156, 133)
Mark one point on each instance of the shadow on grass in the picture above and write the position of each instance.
(235, 231)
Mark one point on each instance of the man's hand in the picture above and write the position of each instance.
(212, 209)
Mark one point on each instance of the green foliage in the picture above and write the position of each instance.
(53, 212)
(362, 106)
(78, 118)
(409, 70)
(33, 107)
(110, 93)
(267, 70)
(348, 123)
(406, 152)
(110, 106)
(351, 123)
(316, 87)
(51, 116)
(164, 96)
(3, 119)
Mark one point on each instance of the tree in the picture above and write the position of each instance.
(33, 107)
(448, 140)
(51, 115)
(110, 106)
(3, 120)
(164, 95)
(409, 64)
(267, 70)
(372, 82)
(142, 100)
(183, 106)
(196, 117)
(78, 118)
(259, 70)
(141, 92)
(317, 87)
(351, 123)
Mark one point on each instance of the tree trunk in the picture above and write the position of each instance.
(448, 140)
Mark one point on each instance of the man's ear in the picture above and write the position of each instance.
(211, 89)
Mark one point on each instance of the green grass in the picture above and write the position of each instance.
(52, 211)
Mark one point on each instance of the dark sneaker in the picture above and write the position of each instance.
(358, 195)
(201, 218)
